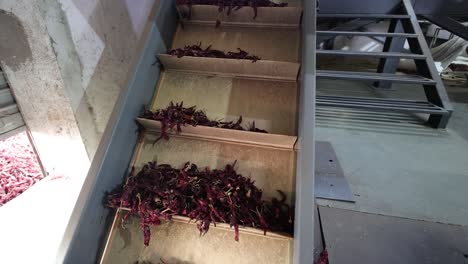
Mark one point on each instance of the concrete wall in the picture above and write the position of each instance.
(87, 47)
(95, 42)
(66, 62)
(27, 57)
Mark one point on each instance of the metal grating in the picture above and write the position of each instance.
(371, 76)
(400, 55)
(379, 104)
(403, 27)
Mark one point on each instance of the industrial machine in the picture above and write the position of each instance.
(278, 92)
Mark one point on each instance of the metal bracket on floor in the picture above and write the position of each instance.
(330, 182)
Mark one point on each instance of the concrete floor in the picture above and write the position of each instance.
(398, 166)
(395, 165)
(355, 237)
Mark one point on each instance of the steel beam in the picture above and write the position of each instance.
(390, 65)
(449, 24)
(373, 16)
(436, 94)
(305, 162)
(366, 34)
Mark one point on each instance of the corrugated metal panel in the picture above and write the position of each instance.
(11, 121)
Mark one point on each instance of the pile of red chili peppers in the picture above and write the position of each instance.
(230, 5)
(19, 168)
(197, 51)
(207, 196)
(176, 115)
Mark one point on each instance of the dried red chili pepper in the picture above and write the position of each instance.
(229, 5)
(175, 116)
(207, 196)
(197, 51)
(161, 261)
(323, 259)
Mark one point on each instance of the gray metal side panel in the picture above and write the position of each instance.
(11, 121)
(305, 198)
(441, 7)
(167, 23)
(115, 151)
(421, 7)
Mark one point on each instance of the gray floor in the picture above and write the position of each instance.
(394, 164)
(355, 237)
(396, 167)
